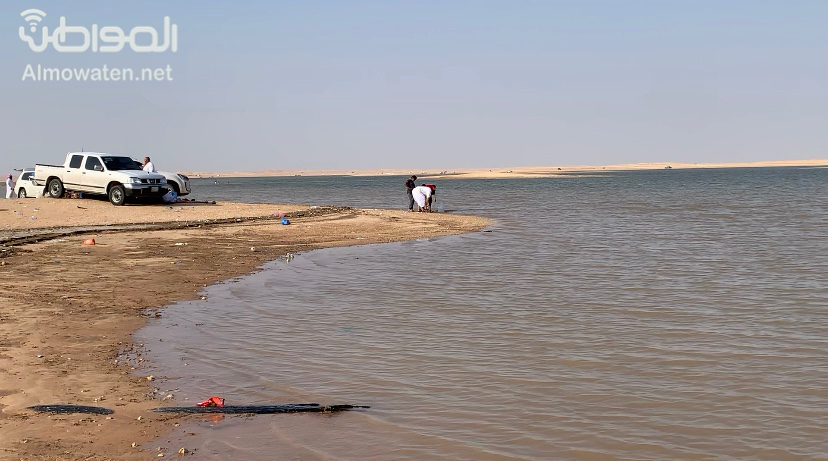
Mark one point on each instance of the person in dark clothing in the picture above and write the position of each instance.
(432, 196)
(410, 185)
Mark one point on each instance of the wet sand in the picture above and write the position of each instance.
(69, 311)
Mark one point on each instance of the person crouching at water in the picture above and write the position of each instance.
(432, 197)
(409, 186)
(424, 195)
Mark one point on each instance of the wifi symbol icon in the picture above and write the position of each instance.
(33, 17)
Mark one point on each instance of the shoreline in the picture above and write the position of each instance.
(70, 310)
(507, 172)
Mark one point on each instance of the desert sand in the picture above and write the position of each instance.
(69, 311)
(510, 173)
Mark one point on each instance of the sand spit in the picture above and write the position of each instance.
(69, 310)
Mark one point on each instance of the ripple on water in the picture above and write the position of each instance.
(604, 318)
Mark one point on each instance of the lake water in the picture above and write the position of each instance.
(655, 315)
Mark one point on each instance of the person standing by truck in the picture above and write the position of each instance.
(410, 185)
(10, 187)
(148, 166)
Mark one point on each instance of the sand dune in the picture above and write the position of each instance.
(510, 173)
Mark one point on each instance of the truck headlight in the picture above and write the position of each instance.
(135, 180)
(163, 180)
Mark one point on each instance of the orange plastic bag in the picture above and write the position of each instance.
(212, 402)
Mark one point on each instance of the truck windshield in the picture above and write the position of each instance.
(120, 163)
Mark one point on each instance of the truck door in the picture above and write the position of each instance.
(95, 178)
(72, 178)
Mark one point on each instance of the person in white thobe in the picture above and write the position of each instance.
(148, 166)
(421, 195)
(9, 187)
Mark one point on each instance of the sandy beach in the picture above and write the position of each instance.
(69, 310)
(510, 173)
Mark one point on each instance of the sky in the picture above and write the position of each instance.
(426, 84)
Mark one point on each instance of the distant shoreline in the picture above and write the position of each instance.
(508, 173)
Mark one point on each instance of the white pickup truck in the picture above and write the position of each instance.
(115, 176)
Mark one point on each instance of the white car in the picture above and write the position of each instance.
(176, 182)
(25, 185)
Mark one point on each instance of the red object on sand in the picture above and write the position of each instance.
(89, 242)
(212, 402)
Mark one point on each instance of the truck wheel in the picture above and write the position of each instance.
(174, 188)
(117, 195)
(21, 193)
(55, 188)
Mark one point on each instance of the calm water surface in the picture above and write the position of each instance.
(645, 315)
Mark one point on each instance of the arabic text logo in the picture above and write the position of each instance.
(141, 39)
(33, 17)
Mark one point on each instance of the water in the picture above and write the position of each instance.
(640, 315)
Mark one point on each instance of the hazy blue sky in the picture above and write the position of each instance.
(430, 84)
